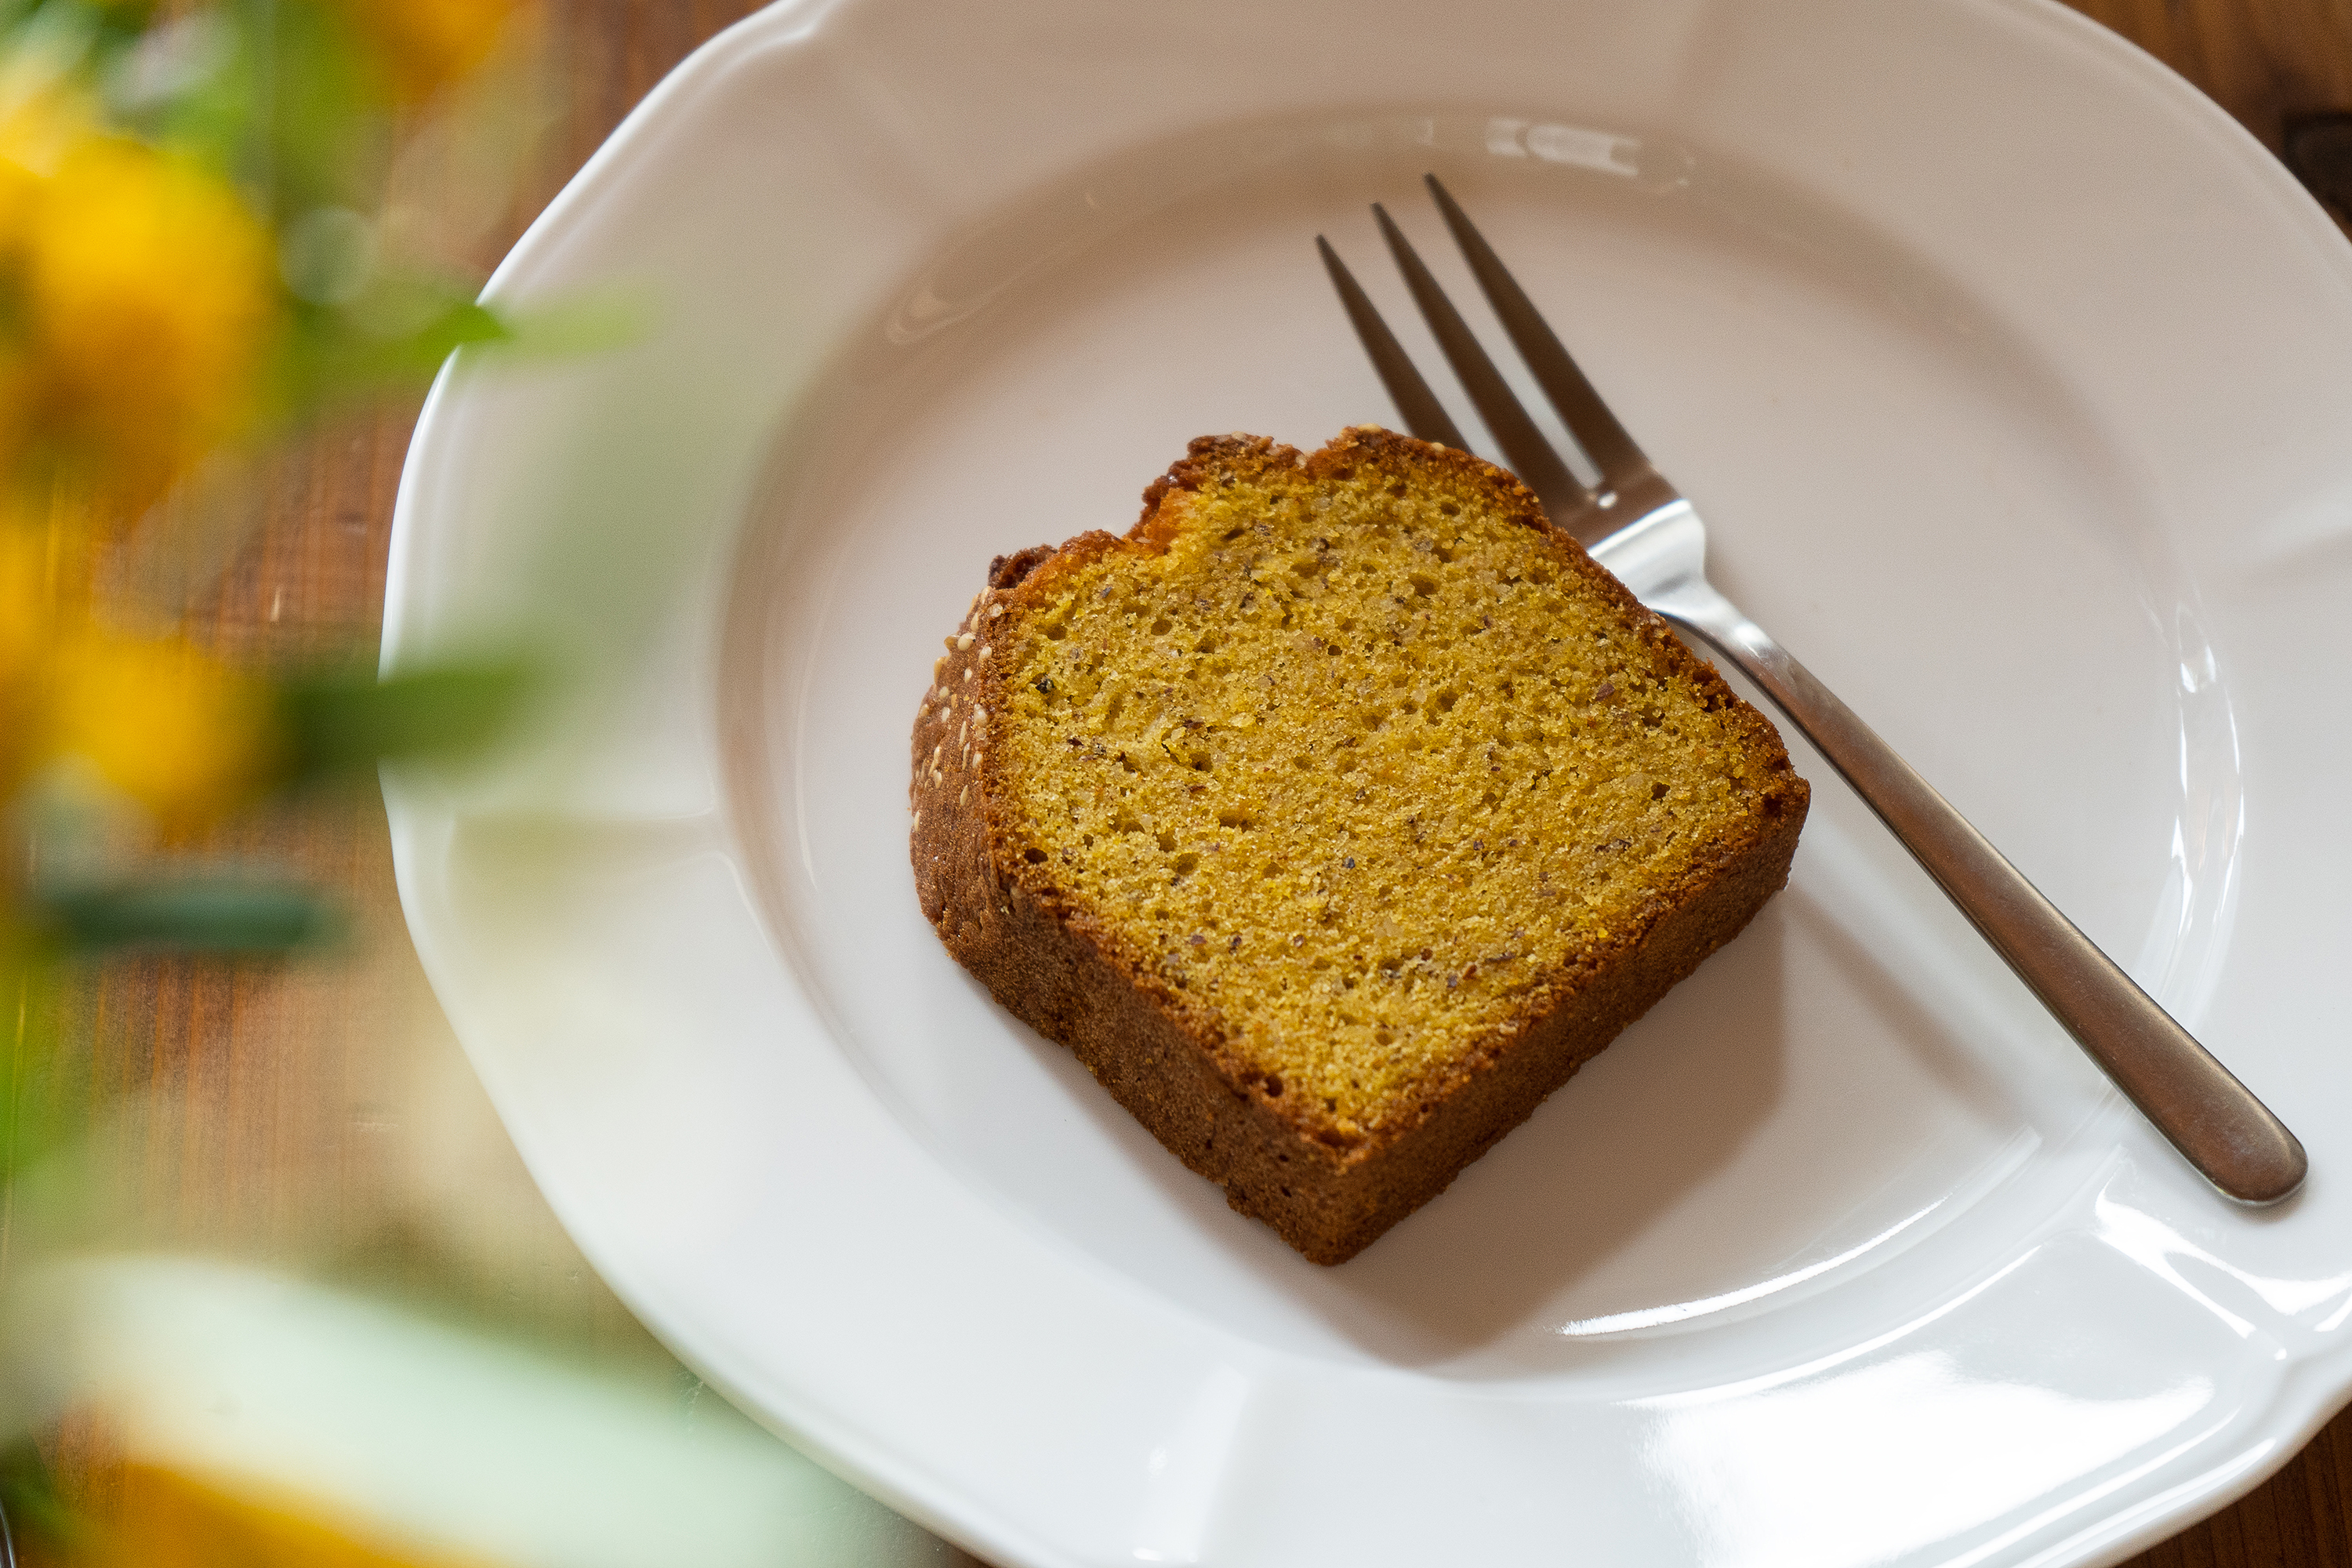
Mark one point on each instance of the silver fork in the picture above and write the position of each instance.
(1638, 526)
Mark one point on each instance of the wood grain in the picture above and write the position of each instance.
(317, 1117)
(2263, 60)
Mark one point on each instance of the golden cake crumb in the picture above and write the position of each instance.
(1367, 786)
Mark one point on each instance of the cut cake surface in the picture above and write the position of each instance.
(1335, 816)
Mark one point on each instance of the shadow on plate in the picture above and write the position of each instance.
(1558, 1197)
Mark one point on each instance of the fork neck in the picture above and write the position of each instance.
(1619, 506)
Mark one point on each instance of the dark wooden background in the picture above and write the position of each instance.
(317, 1116)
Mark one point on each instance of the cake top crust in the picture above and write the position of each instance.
(1357, 762)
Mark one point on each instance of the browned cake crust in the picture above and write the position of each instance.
(1157, 1047)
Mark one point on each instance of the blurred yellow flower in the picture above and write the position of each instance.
(168, 725)
(149, 299)
(164, 1519)
(24, 601)
(425, 44)
(36, 130)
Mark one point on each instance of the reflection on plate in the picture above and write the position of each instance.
(1843, 1254)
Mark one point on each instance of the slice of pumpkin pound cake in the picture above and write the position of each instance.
(1334, 816)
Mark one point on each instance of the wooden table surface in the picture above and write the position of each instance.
(316, 1115)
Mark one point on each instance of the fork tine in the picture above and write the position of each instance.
(1587, 418)
(1530, 456)
(1423, 415)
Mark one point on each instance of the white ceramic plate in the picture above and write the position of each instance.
(2013, 379)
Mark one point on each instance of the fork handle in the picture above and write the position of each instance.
(2212, 1119)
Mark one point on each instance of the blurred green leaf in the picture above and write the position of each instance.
(458, 327)
(340, 723)
(196, 914)
(398, 333)
(581, 324)
(37, 1107)
(37, 1517)
(317, 129)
